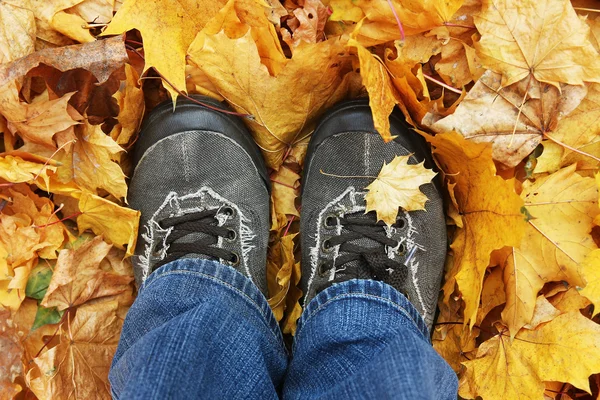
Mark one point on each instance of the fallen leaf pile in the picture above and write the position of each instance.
(506, 92)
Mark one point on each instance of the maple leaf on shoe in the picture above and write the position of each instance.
(397, 185)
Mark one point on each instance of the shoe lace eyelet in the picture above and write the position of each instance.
(231, 235)
(323, 269)
(400, 222)
(228, 211)
(326, 246)
(329, 222)
(235, 259)
(402, 249)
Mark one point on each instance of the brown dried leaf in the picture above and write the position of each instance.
(78, 277)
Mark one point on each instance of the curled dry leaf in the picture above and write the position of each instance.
(131, 108)
(490, 209)
(505, 369)
(119, 225)
(397, 185)
(377, 82)
(167, 28)
(79, 277)
(39, 121)
(380, 25)
(283, 275)
(523, 37)
(491, 113)
(557, 238)
(93, 148)
(101, 58)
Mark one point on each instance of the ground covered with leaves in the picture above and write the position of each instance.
(507, 92)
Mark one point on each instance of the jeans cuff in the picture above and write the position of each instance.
(225, 276)
(365, 289)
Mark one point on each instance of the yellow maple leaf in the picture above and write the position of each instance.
(517, 369)
(119, 225)
(313, 75)
(490, 210)
(591, 272)
(16, 170)
(78, 366)
(397, 185)
(39, 121)
(580, 132)
(379, 24)
(557, 238)
(542, 38)
(131, 107)
(167, 28)
(92, 149)
(377, 82)
(78, 276)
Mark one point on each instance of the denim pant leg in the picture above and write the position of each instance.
(362, 339)
(199, 329)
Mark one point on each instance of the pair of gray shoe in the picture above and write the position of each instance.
(203, 191)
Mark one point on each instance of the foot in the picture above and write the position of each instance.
(341, 242)
(202, 188)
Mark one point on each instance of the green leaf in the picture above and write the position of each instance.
(45, 316)
(39, 279)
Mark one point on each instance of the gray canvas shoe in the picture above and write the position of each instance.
(341, 242)
(202, 187)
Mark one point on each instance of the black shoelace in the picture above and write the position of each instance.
(198, 222)
(373, 262)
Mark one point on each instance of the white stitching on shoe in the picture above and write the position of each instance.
(153, 232)
(358, 204)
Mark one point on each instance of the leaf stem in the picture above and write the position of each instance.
(400, 27)
(442, 84)
(573, 149)
(348, 176)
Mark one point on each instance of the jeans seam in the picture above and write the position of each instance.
(227, 284)
(396, 306)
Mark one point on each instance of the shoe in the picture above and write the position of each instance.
(202, 187)
(341, 242)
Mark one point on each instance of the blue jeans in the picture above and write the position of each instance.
(199, 329)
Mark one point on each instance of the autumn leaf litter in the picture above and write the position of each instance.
(506, 92)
